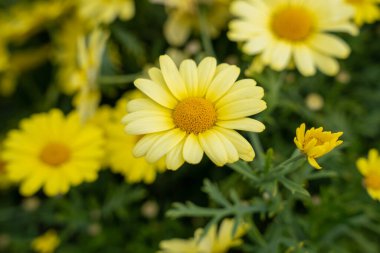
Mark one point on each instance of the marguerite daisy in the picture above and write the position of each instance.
(54, 152)
(284, 32)
(366, 11)
(194, 110)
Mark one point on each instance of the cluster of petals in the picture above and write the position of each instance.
(315, 142)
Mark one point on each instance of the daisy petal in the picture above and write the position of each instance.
(174, 159)
(206, 72)
(189, 73)
(213, 147)
(222, 82)
(164, 144)
(173, 78)
(156, 92)
(240, 109)
(192, 150)
(245, 124)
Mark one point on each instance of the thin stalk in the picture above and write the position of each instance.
(118, 80)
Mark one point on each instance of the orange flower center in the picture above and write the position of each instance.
(372, 181)
(194, 115)
(55, 154)
(293, 23)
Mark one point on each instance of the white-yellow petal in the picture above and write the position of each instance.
(241, 108)
(245, 124)
(156, 93)
(173, 78)
(192, 150)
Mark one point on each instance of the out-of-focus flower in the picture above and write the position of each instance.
(366, 11)
(370, 169)
(119, 145)
(54, 152)
(85, 77)
(105, 12)
(192, 111)
(150, 209)
(23, 20)
(31, 204)
(46, 243)
(314, 101)
(183, 18)
(284, 32)
(315, 143)
(20, 62)
(213, 242)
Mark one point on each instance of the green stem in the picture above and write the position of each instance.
(243, 169)
(205, 34)
(118, 79)
(295, 157)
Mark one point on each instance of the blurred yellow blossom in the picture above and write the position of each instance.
(370, 169)
(286, 32)
(213, 242)
(54, 152)
(46, 243)
(105, 12)
(366, 11)
(315, 143)
(183, 18)
(85, 77)
(119, 145)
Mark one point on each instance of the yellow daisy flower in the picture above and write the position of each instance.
(105, 12)
(370, 169)
(213, 242)
(284, 32)
(194, 110)
(366, 11)
(119, 145)
(183, 18)
(46, 243)
(316, 142)
(54, 152)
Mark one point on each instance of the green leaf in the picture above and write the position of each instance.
(214, 193)
(294, 187)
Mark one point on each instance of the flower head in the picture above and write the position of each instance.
(370, 169)
(119, 145)
(54, 152)
(316, 142)
(366, 11)
(284, 32)
(213, 242)
(194, 110)
(46, 243)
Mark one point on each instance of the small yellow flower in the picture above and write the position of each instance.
(46, 243)
(370, 169)
(213, 242)
(366, 11)
(283, 33)
(54, 152)
(316, 142)
(194, 110)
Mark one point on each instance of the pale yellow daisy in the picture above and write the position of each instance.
(54, 152)
(194, 110)
(282, 33)
(315, 143)
(213, 242)
(366, 11)
(370, 169)
(46, 243)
